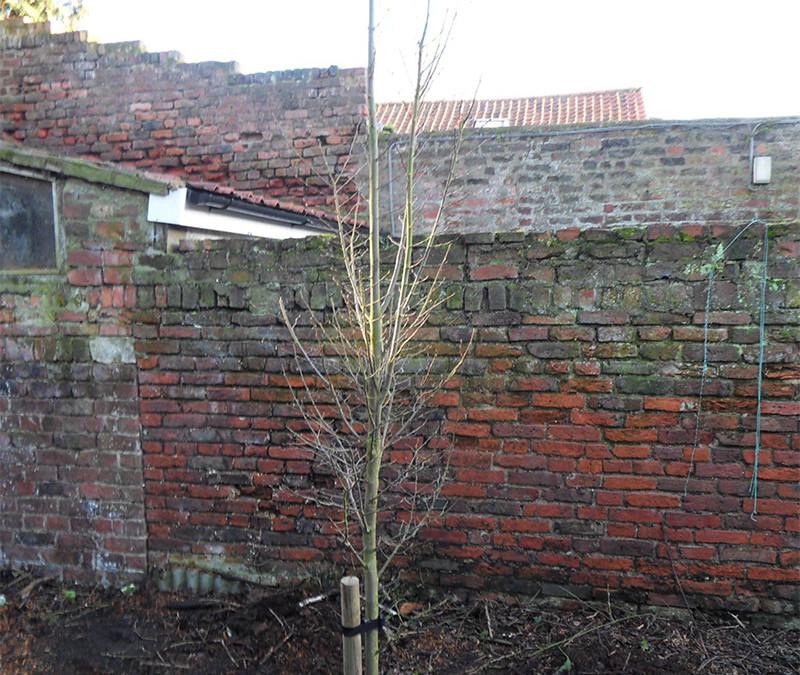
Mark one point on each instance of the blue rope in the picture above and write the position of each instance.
(761, 324)
(753, 490)
(702, 375)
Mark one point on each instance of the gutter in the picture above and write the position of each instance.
(218, 202)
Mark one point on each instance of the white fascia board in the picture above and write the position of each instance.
(173, 209)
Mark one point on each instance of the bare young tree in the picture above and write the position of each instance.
(368, 380)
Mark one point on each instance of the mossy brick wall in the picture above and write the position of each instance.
(678, 173)
(71, 500)
(277, 134)
(574, 463)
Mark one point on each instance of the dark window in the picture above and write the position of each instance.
(27, 223)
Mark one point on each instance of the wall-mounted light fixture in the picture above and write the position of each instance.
(762, 170)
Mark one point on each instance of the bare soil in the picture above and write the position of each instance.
(47, 627)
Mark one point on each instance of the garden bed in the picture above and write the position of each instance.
(48, 627)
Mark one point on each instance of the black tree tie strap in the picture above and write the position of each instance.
(364, 627)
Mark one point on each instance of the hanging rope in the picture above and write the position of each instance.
(718, 257)
(761, 324)
(714, 262)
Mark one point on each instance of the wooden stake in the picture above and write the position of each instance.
(351, 618)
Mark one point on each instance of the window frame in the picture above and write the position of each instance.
(58, 239)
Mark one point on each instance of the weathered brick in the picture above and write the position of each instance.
(604, 317)
(488, 272)
(655, 500)
(628, 483)
(85, 276)
(558, 400)
(526, 333)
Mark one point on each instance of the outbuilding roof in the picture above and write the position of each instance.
(158, 186)
(86, 169)
(617, 105)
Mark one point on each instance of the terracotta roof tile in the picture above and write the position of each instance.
(617, 105)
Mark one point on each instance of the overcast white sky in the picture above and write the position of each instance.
(692, 58)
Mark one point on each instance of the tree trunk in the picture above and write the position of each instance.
(376, 366)
(371, 660)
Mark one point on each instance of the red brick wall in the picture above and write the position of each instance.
(572, 422)
(71, 499)
(277, 134)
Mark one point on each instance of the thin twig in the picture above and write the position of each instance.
(275, 648)
(680, 588)
(552, 645)
(227, 651)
